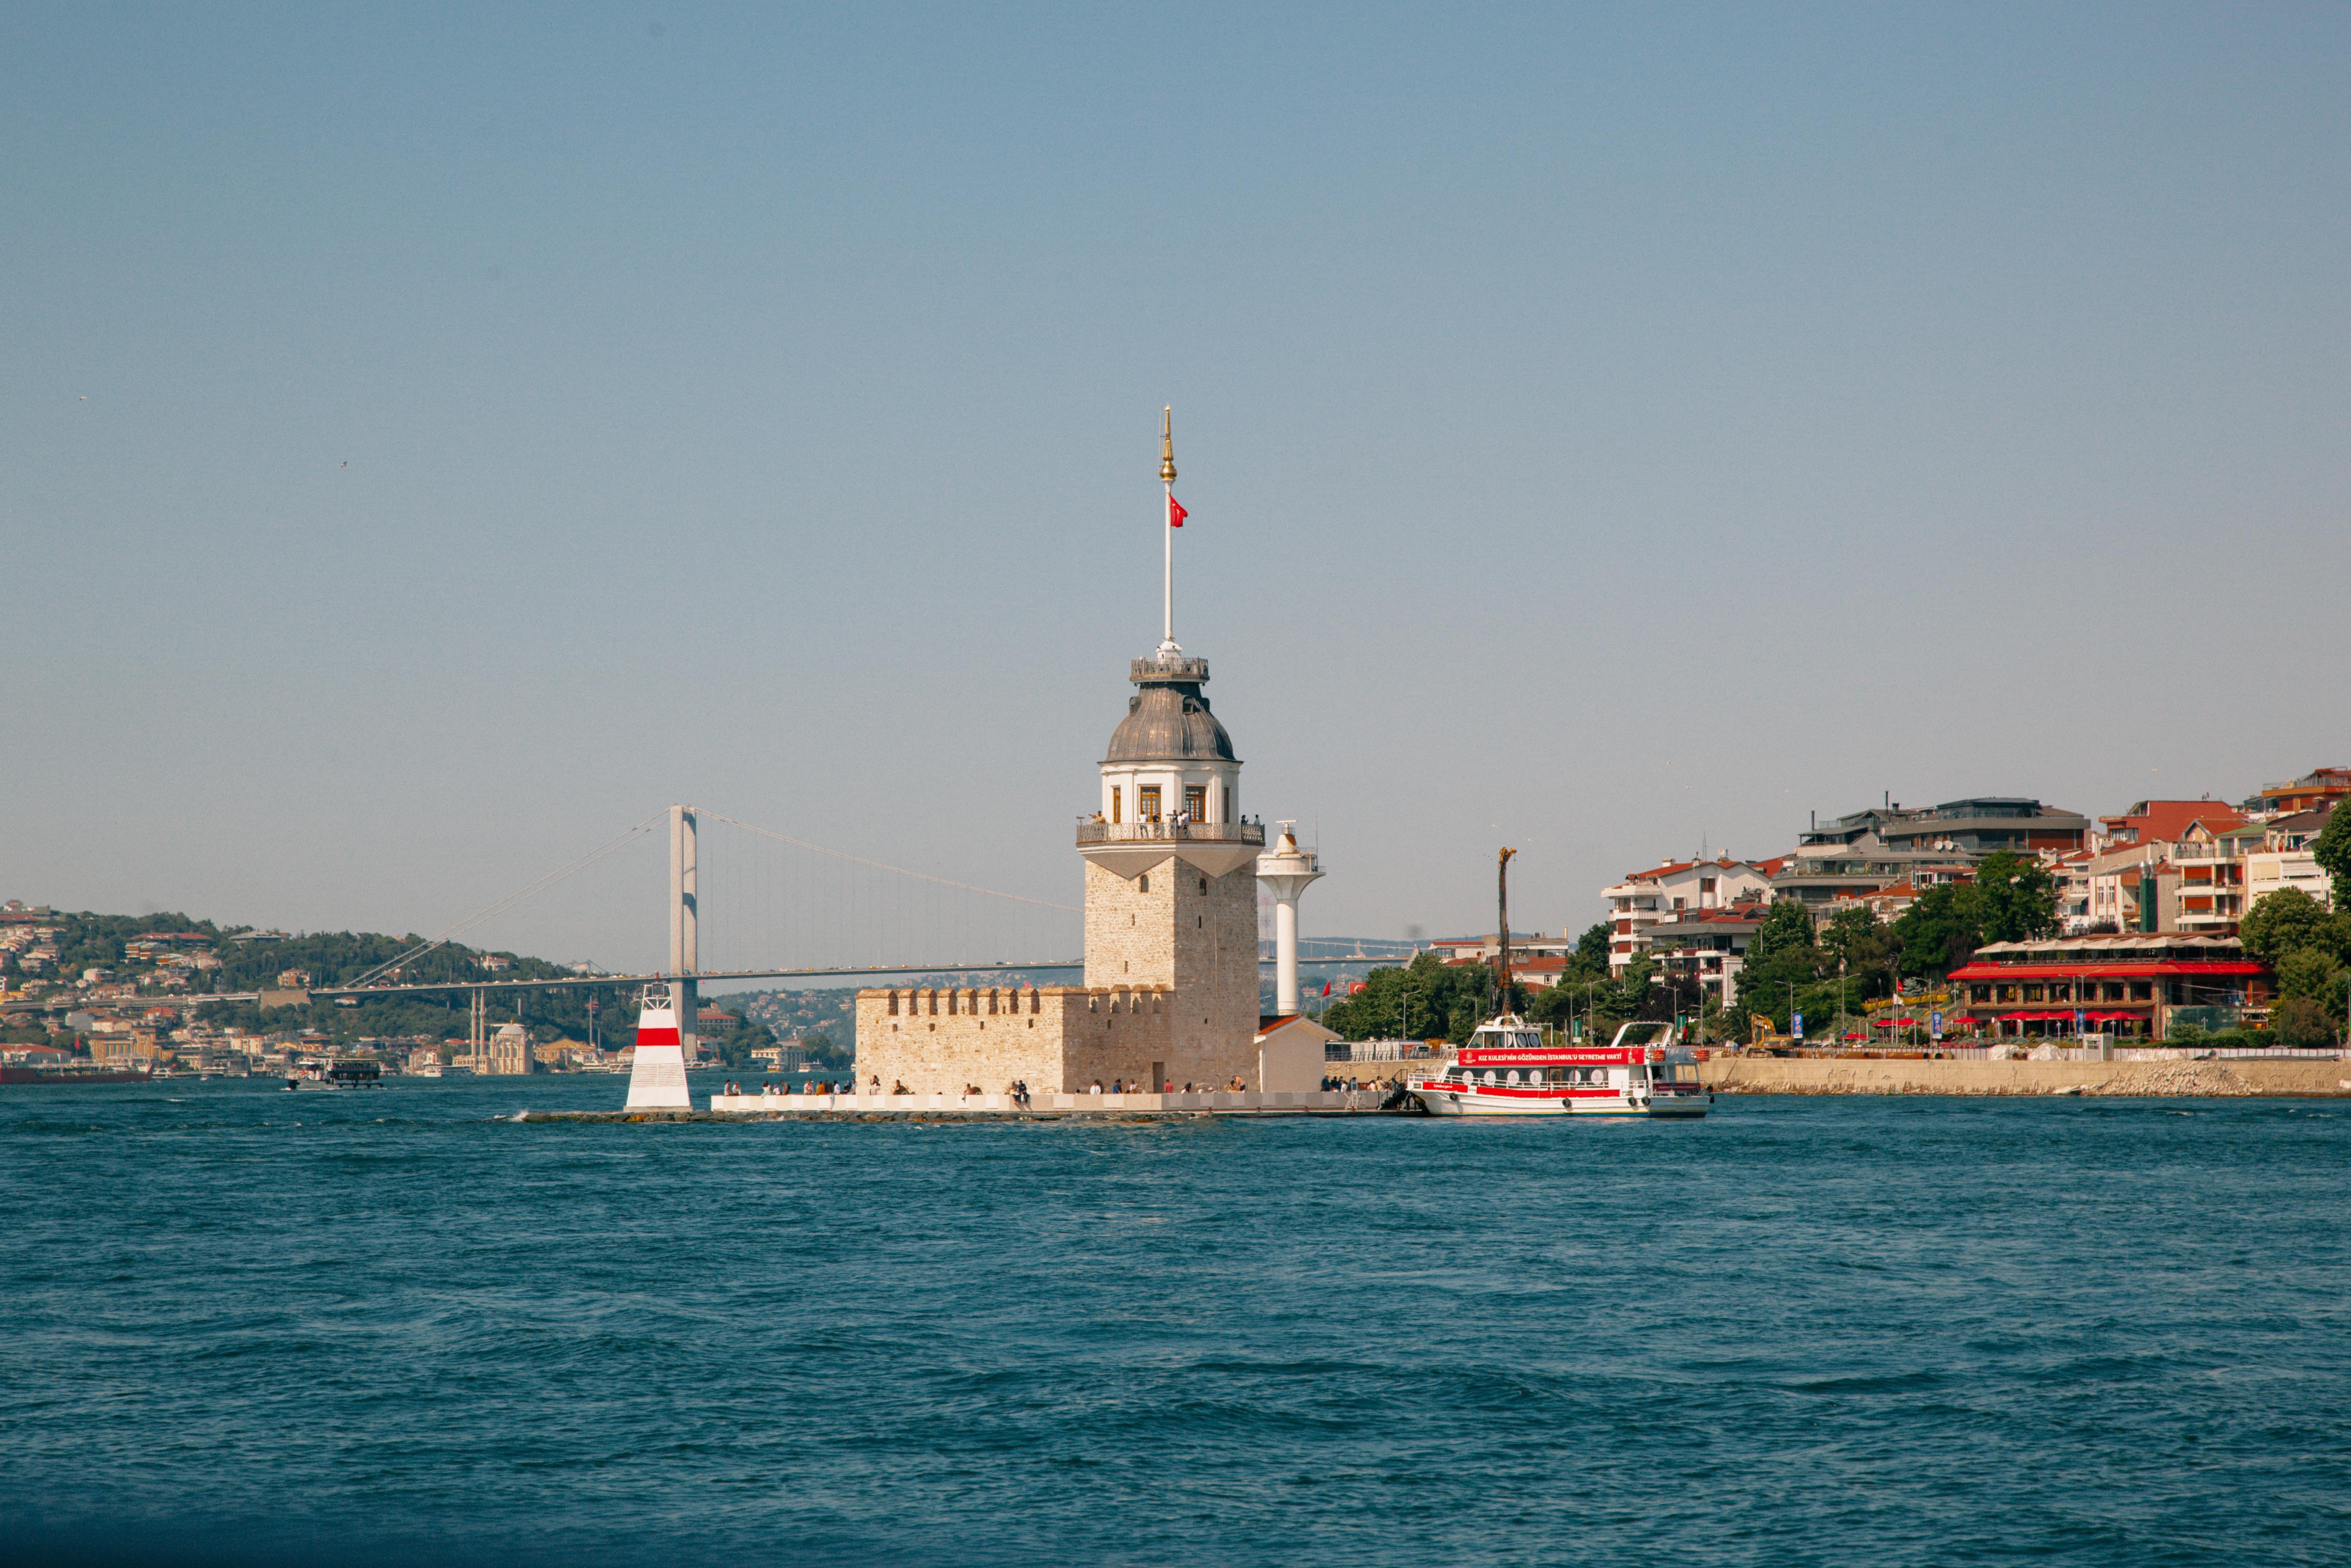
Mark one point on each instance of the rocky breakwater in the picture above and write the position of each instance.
(1774, 1075)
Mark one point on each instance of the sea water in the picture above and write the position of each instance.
(243, 1324)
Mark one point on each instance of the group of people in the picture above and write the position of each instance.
(1017, 1089)
(1236, 1085)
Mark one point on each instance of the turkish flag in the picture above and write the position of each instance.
(1175, 512)
(1326, 987)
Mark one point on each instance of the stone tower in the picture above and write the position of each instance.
(1171, 873)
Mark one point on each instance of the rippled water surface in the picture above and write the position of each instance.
(248, 1324)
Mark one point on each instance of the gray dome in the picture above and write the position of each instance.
(1168, 720)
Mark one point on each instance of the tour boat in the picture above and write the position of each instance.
(340, 1075)
(1506, 1070)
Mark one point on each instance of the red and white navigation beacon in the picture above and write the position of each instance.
(1506, 1070)
(657, 1078)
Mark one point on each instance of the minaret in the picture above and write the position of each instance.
(1288, 872)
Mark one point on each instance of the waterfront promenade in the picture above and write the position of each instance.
(2302, 1076)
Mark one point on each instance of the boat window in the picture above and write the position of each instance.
(1489, 1075)
(1513, 1077)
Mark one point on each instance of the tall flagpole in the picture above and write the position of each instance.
(1167, 528)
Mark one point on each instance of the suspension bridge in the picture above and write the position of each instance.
(784, 908)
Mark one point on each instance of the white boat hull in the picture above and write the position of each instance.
(1481, 1100)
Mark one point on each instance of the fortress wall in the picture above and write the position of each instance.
(1055, 1039)
(935, 1040)
(1117, 1034)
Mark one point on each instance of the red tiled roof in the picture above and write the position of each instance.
(2163, 821)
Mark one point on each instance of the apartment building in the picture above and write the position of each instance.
(1704, 950)
(2319, 788)
(1982, 825)
(2284, 857)
(2168, 865)
(1852, 858)
(1646, 899)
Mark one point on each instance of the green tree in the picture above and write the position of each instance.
(1593, 945)
(1425, 999)
(2308, 974)
(1941, 928)
(2281, 922)
(2333, 853)
(2300, 1023)
(2017, 896)
(1786, 928)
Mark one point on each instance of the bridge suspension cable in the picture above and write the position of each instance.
(503, 905)
(883, 865)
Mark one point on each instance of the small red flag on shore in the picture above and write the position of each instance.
(1175, 513)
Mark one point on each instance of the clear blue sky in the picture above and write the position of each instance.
(1601, 428)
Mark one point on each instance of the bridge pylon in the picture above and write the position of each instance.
(667, 1023)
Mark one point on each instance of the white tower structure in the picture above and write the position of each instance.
(1287, 871)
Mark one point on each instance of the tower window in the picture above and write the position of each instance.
(1145, 881)
(1203, 884)
(1196, 802)
(1117, 800)
(1146, 802)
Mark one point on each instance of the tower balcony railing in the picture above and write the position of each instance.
(1092, 831)
(1170, 669)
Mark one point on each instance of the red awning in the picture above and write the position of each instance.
(2145, 971)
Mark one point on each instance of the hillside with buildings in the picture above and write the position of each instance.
(158, 990)
(1982, 919)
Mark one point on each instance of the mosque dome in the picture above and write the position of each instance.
(1167, 720)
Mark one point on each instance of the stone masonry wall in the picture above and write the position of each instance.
(1195, 934)
(1127, 924)
(1117, 1034)
(1055, 1039)
(938, 1040)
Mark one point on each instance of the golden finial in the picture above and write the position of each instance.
(1167, 446)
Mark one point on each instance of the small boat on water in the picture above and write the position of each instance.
(1506, 1070)
(341, 1076)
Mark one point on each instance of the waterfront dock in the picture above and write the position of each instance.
(1003, 1107)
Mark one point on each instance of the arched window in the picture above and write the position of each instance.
(894, 1004)
(1144, 880)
